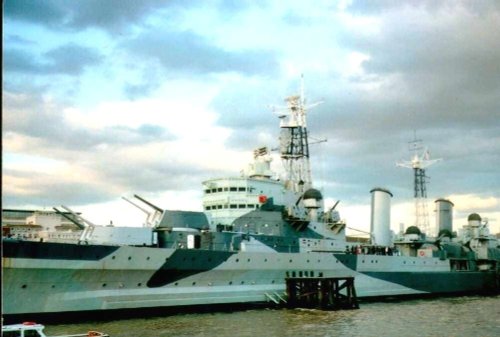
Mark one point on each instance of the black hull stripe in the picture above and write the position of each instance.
(440, 282)
(186, 262)
(55, 250)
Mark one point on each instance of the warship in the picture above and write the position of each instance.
(256, 230)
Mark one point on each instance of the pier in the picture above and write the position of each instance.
(326, 293)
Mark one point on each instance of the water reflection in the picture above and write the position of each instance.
(463, 316)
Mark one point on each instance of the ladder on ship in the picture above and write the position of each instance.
(276, 298)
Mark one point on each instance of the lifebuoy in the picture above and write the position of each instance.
(421, 253)
(93, 334)
(29, 323)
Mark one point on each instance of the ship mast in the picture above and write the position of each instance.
(419, 162)
(294, 144)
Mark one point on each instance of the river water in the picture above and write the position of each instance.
(459, 316)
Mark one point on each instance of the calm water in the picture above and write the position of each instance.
(461, 316)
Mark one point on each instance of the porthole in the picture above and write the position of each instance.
(242, 282)
(104, 284)
(130, 257)
(272, 282)
(291, 260)
(176, 283)
(139, 284)
(194, 283)
(237, 260)
(148, 258)
(53, 286)
(230, 282)
(265, 260)
(24, 286)
(248, 260)
(113, 257)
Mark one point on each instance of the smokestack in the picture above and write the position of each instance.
(380, 224)
(444, 215)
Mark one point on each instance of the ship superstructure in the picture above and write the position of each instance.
(255, 232)
(226, 199)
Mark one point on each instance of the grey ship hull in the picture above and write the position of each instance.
(56, 277)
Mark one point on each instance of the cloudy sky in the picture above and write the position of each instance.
(103, 99)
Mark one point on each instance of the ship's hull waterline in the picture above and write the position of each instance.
(56, 277)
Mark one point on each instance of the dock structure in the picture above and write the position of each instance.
(326, 293)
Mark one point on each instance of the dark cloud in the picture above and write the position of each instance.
(51, 13)
(362, 7)
(70, 59)
(111, 15)
(134, 91)
(19, 40)
(448, 61)
(190, 53)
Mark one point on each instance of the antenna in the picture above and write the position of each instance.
(419, 162)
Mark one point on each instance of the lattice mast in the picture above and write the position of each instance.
(419, 162)
(294, 143)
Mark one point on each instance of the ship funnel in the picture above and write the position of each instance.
(444, 215)
(380, 224)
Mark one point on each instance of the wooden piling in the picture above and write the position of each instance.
(326, 293)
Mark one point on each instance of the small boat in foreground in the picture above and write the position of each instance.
(32, 329)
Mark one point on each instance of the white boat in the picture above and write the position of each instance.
(32, 329)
